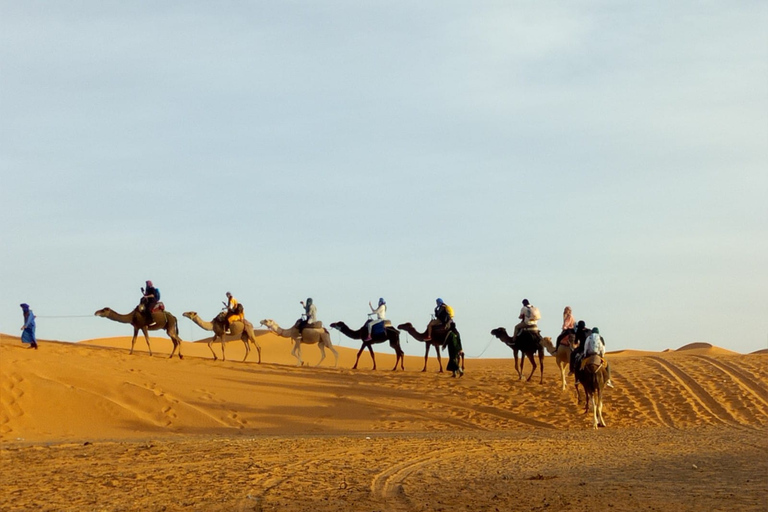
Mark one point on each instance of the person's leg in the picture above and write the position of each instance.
(518, 328)
(608, 382)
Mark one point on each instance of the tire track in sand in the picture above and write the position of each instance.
(388, 484)
(647, 405)
(740, 377)
(267, 481)
(698, 393)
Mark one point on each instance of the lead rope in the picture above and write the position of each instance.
(483, 352)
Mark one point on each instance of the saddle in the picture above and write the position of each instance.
(302, 324)
(379, 328)
(157, 306)
(593, 360)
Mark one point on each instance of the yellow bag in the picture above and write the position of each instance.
(449, 310)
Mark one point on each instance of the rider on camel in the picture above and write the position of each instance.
(443, 316)
(381, 316)
(234, 310)
(310, 314)
(595, 346)
(149, 298)
(529, 319)
(567, 329)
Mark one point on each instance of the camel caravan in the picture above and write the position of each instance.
(578, 350)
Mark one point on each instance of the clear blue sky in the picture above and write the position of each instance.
(610, 156)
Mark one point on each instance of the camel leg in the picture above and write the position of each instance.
(598, 406)
(439, 360)
(296, 352)
(373, 357)
(426, 355)
(400, 359)
(562, 377)
(146, 337)
(335, 355)
(322, 353)
(358, 356)
(133, 340)
(594, 413)
(258, 350)
(576, 387)
(176, 344)
(247, 348)
(533, 362)
(541, 366)
(519, 369)
(223, 343)
(211, 348)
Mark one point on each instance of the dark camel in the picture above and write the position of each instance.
(592, 376)
(529, 343)
(163, 320)
(239, 330)
(439, 337)
(390, 334)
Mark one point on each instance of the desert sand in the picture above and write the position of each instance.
(87, 426)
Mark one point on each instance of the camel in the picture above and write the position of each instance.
(310, 336)
(237, 331)
(390, 334)
(562, 356)
(162, 320)
(529, 344)
(592, 376)
(439, 339)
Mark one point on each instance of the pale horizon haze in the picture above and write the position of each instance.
(608, 156)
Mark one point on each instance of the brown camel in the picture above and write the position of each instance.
(237, 331)
(592, 376)
(562, 356)
(439, 339)
(162, 320)
(529, 343)
(310, 336)
(390, 334)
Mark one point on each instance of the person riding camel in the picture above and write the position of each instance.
(580, 337)
(149, 298)
(443, 316)
(234, 310)
(381, 316)
(529, 316)
(567, 329)
(595, 346)
(309, 318)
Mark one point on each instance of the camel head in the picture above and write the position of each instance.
(406, 325)
(190, 314)
(499, 332)
(546, 342)
(337, 325)
(104, 312)
(268, 323)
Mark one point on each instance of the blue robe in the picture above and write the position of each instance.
(28, 335)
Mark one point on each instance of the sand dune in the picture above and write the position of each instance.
(686, 430)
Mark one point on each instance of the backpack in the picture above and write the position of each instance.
(157, 294)
(449, 310)
(535, 315)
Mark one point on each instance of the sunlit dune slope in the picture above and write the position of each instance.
(96, 390)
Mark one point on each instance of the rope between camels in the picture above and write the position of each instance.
(63, 316)
(481, 353)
